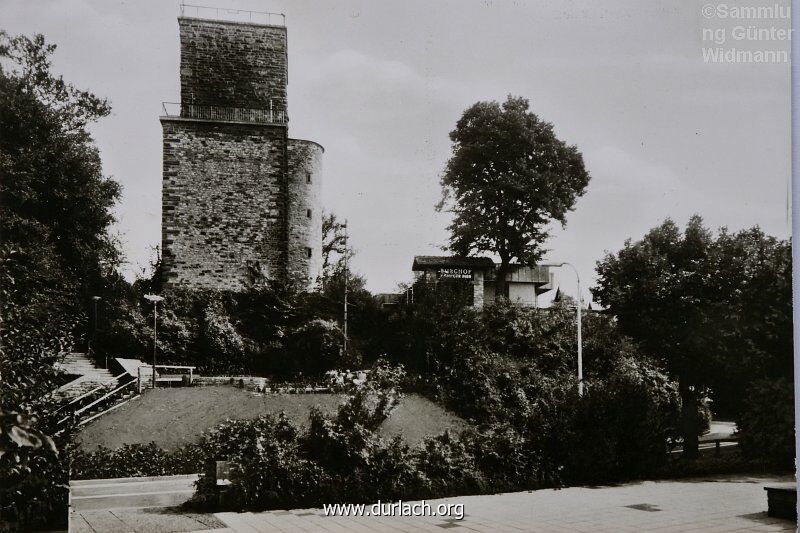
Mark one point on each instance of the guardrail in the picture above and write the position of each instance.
(115, 379)
(718, 444)
(271, 115)
(115, 405)
(113, 396)
(233, 15)
(105, 396)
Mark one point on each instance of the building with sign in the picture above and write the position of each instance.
(478, 277)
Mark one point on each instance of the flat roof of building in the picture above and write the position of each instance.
(421, 262)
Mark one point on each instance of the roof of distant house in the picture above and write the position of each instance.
(421, 262)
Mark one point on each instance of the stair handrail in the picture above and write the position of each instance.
(84, 395)
(79, 411)
(82, 409)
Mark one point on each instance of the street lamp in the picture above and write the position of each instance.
(580, 347)
(95, 299)
(155, 299)
(344, 338)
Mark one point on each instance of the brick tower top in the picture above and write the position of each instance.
(233, 63)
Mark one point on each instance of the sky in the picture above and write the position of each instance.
(380, 84)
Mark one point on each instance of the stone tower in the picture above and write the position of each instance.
(239, 197)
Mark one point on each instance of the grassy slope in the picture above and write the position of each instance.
(172, 417)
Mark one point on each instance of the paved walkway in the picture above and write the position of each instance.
(135, 505)
(148, 520)
(717, 504)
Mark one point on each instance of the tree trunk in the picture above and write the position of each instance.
(689, 421)
(501, 287)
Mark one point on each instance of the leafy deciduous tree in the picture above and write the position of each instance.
(716, 311)
(659, 290)
(55, 212)
(509, 177)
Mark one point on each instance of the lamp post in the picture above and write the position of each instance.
(95, 299)
(344, 341)
(155, 299)
(580, 344)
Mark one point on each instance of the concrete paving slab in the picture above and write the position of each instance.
(712, 504)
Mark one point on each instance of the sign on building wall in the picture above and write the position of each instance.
(454, 273)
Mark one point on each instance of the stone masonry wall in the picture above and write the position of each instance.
(232, 64)
(224, 203)
(305, 210)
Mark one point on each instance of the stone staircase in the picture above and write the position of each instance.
(94, 392)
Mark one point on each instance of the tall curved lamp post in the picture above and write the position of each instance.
(95, 299)
(155, 299)
(578, 305)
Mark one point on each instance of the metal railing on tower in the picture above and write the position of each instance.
(271, 115)
(233, 15)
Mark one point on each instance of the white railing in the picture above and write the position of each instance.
(272, 115)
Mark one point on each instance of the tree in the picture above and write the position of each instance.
(509, 177)
(658, 289)
(753, 279)
(333, 244)
(55, 212)
(716, 311)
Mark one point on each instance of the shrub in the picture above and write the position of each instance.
(449, 467)
(767, 423)
(316, 346)
(221, 339)
(505, 457)
(621, 424)
(268, 467)
(729, 461)
(617, 430)
(134, 460)
(392, 472)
